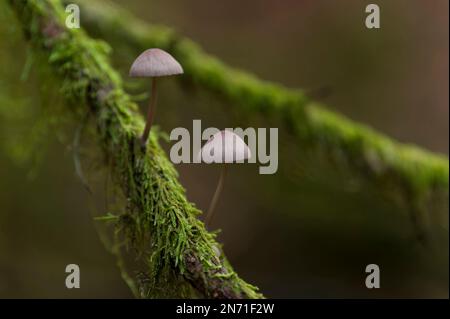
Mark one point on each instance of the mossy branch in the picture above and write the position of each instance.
(158, 216)
(416, 175)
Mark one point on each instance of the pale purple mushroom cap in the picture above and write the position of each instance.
(224, 147)
(153, 63)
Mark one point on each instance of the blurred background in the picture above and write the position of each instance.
(308, 234)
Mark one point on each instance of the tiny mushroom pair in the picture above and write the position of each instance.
(224, 147)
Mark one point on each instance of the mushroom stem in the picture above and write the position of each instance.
(150, 114)
(215, 198)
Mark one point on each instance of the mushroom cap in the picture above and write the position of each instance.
(224, 147)
(153, 63)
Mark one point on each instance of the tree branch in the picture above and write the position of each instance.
(416, 176)
(158, 216)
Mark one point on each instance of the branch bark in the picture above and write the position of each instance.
(158, 215)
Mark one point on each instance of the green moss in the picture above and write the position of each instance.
(414, 173)
(416, 179)
(378, 155)
(159, 224)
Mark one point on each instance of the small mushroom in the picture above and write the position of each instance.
(224, 147)
(153, 63)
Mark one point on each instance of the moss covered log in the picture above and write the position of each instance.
(182, 259)
(416, 176)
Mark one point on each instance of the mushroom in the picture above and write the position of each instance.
(223, 147)
(153, 63)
